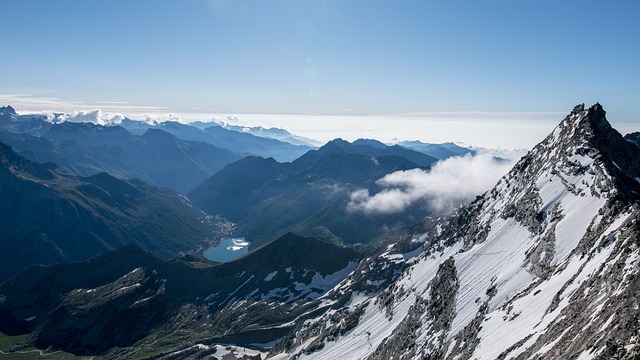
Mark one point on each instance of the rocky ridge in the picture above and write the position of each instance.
(545, 265)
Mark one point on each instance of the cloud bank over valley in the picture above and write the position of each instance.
(445, 186)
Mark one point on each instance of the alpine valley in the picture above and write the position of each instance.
(545, 265)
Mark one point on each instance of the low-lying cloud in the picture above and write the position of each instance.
(448, 184)
(95, 116)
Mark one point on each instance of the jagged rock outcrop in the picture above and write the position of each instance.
(438, 309)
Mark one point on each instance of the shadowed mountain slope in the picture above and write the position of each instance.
(49, 216)
(128, 296)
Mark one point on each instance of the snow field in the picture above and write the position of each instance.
(374, 325)
(506, 245)
(502, 329)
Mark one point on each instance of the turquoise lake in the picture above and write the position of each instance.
(227, 250)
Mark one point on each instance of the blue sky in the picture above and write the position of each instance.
(323, 57)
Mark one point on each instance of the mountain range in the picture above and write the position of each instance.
(322, 179)
(309, 196)
(229, 138)
(49, 216)
(546, 264)
(158, 157)
(438, 151)
(273, 133)
(169, 154)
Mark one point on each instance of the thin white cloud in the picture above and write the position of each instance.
(448, 184)
(492, 115)
(111, 102)
(26, 103)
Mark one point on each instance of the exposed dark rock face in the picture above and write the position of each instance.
(603, 311)
(39, 289)
(633, 138)
(91, 321)
(438, 309)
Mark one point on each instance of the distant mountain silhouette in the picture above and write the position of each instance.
(633, 138)
(438, 151)
(236, 141)
(31, 124)
(156, 156)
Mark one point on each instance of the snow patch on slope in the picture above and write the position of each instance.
(506, 244)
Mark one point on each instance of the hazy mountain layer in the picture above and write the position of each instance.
(30, 124)
(273, 133)
(438, 151)
(156, 156)
(240, 142)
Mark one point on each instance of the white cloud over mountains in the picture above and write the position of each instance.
(446, 185)
(95, 116)
(99, 117)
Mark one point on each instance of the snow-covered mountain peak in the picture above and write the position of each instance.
(583, 159)
(7, 111)
(578, 129)
(524, 271)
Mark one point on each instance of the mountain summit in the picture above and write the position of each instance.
(587, 133)
(7, 112)
(543, 265)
